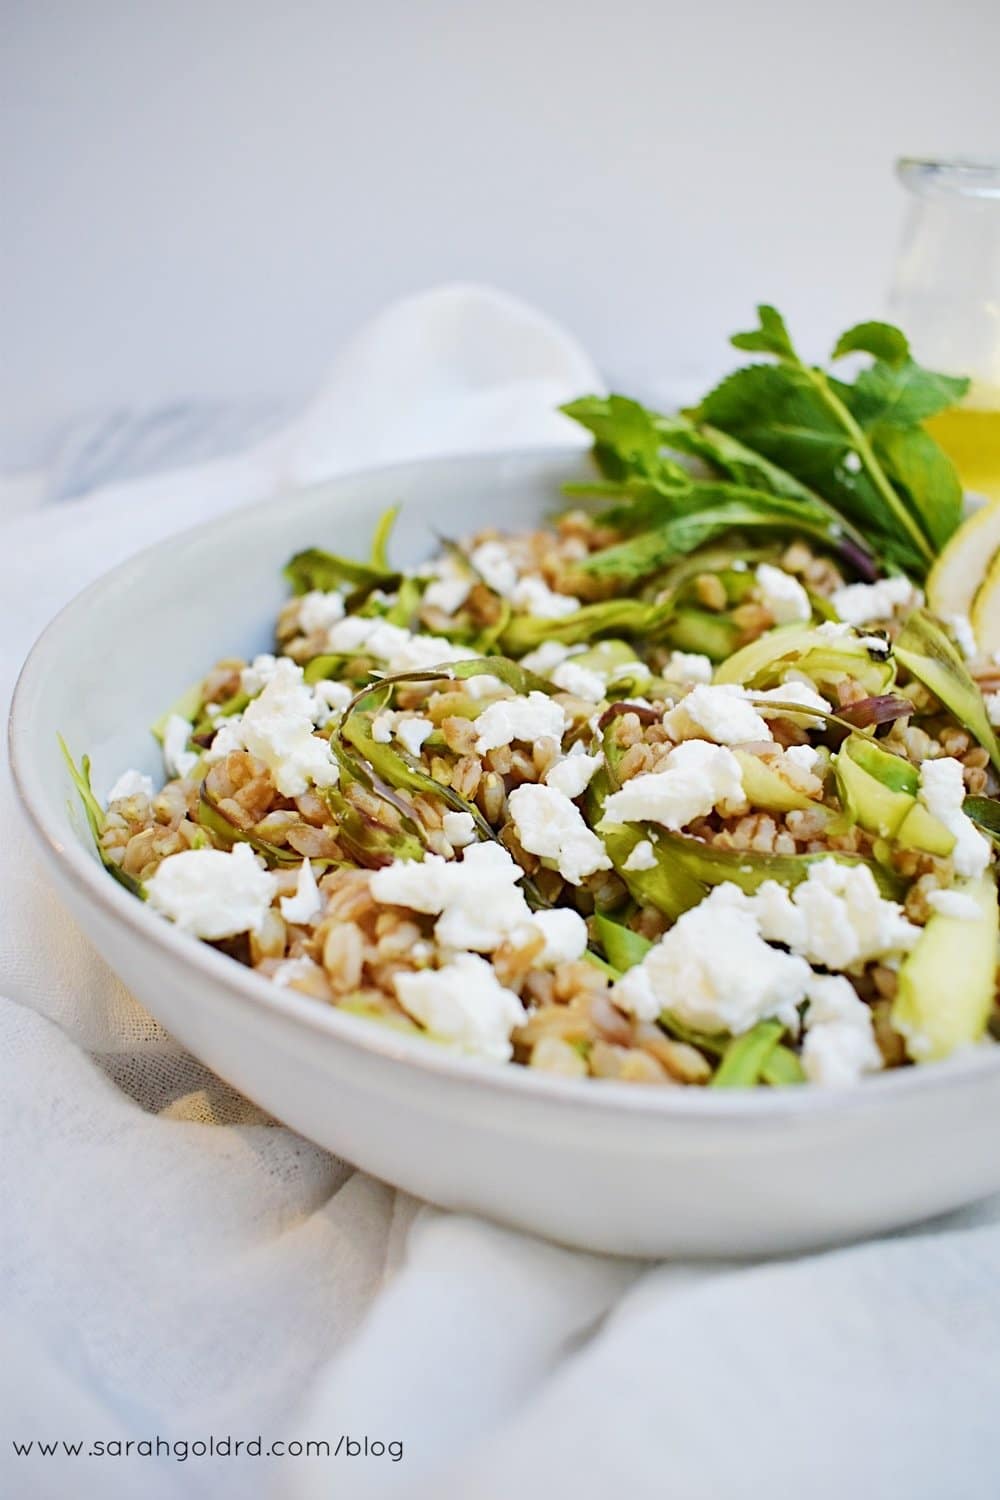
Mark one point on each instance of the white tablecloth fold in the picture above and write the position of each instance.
(175, 1266)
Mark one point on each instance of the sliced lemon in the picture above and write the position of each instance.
(986, 609)
(959, 573)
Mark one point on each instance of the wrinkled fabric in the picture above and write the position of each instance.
(177, 1265)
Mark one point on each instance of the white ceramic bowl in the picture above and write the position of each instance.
(601, 1165)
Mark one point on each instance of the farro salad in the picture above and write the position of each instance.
(694, 786)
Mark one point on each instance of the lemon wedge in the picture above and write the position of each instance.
(960, 573)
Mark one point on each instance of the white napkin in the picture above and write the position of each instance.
(175, 1267)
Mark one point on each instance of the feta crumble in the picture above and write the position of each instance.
(565, 934)
(550, 825)
(258, 674)
(582, 682)
(477, 900)
(496, 567)
(533, 595)
(319, 610)
(839, 1044)
(212, 893)
(714, 971)
(961, 629)
(862, 603)
(277, 728)
(131, 784)
(643, 857)
(689, 666)
(412, 732)
(382, 727)
(464, 1004)
(178, 760)
(528, 719)
(942, 791)
(573, 774)
(307, 903)
(546, 657)
(459, 829)
(782, 594)
(696, 778)
(720, 712)
(836, 917)
(450, 585)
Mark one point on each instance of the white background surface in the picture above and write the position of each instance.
(203, 199)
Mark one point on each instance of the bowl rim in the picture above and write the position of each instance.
(83, 870)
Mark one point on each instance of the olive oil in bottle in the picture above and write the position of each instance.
(970, 435)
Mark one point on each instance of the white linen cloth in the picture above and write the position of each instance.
(175, 1265)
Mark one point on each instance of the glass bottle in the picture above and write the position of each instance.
(946, 297)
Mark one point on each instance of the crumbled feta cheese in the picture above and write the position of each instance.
(852, 462)
(942, 791)
(421, 651)
(573, 774)
(696, 778)
(450, 585)
(804, 757)
(689, 666)
(227, 739)
(487, 686)
(533, 595)
(477, 900)
(319, 610)
(839, 1044)
(793, 690)
(713, 971)
(178, 760)
(527, 719)
(459, 829)
(582, 682)
(643, 857)
(382, 726)
(307, 903)
(834, 630)
(412, 732)
(131, 784)
(860, 603)
(565, 934)
(835, 917)
(277, 727)
(212, 893)
(258, 674)
(496, 567)
(782, 594)
(546, 657)
(720, 713)
(550, 825)
(399, 649)
(464, 1004)
(992, 701)
(954, 904)
(961, 629)
(329, 701)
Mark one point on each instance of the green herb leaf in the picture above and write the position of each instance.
(769, 337)
(881, 340)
